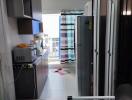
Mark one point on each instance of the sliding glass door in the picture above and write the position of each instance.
(105, 36)
(111, 46)
(100, 22)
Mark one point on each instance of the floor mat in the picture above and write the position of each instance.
(62, 71)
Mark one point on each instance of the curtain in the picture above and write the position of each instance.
(67, 35)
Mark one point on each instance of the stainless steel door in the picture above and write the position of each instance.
(84, 47)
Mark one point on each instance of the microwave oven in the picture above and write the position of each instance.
(24, 55)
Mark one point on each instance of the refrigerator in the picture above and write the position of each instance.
(84, 55)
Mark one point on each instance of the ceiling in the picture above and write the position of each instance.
(55, 6)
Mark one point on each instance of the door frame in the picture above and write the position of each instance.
(96, 15)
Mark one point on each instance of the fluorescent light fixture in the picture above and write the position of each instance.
(124, 13)
(127, 12)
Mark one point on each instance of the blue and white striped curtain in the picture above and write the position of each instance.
(67, 35)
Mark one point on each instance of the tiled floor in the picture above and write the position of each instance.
(58, 87)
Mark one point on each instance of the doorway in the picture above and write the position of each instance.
(61, 80)
(51, 31)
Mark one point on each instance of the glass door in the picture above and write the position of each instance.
(100, 21)
(105, 31)
(111, 42)
(96, 47)
(102, 39)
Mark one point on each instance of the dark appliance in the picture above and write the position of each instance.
(84, 55)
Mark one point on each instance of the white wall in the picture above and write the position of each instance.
(12, 34)
(55, 6)
(51, 25)
(8, 39)
(88, 8)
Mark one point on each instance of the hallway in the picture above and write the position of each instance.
(60, 85)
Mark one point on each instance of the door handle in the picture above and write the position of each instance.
(96, 51)
(110, 54)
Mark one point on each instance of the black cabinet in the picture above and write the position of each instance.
(42, 72)
(25, 81)
(19, 8)
(30, 78)
(25, 9)
(39, 76)
(28, 26)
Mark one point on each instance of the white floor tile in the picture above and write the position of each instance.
(58, 87)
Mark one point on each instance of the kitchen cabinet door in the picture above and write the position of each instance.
(45, 66)
(25, 9)
(19, 8)
(36, 10)
(39, 76)
(25, 85)
(28, 26)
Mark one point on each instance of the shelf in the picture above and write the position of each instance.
(67, 48)
(71, 14)
(67, 24)
(67, 29)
